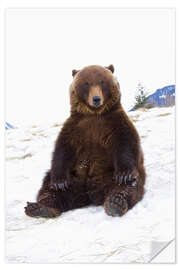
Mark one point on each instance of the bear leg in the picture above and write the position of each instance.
(122, 198)
(51, 203)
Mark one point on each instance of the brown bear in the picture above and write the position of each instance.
(98, 158)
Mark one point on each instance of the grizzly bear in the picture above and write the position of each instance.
(97, 158)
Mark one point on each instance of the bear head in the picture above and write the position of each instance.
(94, 90)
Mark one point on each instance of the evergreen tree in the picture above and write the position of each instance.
(140, 97)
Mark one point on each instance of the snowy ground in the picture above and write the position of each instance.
(88, 234)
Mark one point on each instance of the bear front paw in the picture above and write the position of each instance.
(129, 178)
(59, 185)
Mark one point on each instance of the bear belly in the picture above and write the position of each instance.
(94, 166)
(82, 168)
(97, 176)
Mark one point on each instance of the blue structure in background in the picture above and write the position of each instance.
(163, 97)
(8, 126)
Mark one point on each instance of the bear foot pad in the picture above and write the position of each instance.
(116, 205)
(37, 210)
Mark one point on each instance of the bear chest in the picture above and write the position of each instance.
(94, 140)
(95, 132)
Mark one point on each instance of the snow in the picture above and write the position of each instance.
(88, 234)
(163, 96)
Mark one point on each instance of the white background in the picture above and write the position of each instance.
(44, 45)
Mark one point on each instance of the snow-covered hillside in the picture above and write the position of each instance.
(88, 234)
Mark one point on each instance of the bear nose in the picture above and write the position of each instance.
(96, 101)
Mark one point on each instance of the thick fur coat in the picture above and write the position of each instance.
(97, 158)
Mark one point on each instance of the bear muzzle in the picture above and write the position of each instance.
(95, 98)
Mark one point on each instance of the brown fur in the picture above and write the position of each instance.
(95, 91)
(97, 158)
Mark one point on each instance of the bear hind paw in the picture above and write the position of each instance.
(116, 205)
(37, 210)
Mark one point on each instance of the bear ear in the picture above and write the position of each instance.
(74, 72)
(111, 68)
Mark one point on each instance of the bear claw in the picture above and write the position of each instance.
(129, 179)
(60, 186)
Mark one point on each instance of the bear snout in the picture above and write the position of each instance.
(96, 101)
(95, 98)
